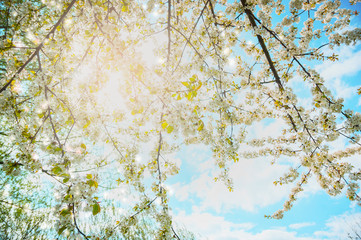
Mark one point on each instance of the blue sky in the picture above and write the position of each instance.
(208, 209)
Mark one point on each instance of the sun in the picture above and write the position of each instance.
(110, 96)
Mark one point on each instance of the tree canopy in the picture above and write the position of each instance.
(99, 94)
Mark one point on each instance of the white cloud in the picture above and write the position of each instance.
(253, 187)
(348, 64)
(279, 235)
(266, 128)
(213, 227)
(338, 227)
(301, 225)
(342, 89)
(305, 102)
(334, 72)
(217, 228)
(206, 223)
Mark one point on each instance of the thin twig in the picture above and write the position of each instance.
(75, 223)
(263, 46)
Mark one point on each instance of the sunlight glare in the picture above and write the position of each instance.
(231, 62)
(109, 96)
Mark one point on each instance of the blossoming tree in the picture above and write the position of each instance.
(89, 86)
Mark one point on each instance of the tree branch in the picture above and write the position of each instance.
(76, 225)
(38, 48)
(263, 46)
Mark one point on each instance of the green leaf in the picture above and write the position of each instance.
(64, 212)
(201, 125)
(18, 213)
(185, 84)
(57, 149)
(164, 124)
(61, 230)
(193, 78)
(96, 208)
(56, 170)
(83, 146)
(169, 129)
(125, 8)
(40, 115)
(67, 197)
(92, 183)
(87, 124)
(190, 95)
(89, 176)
